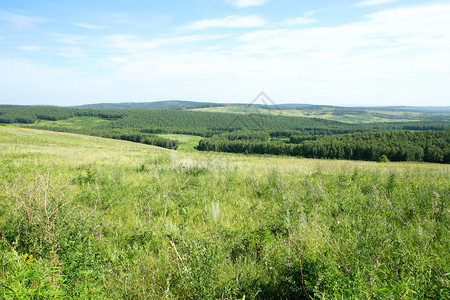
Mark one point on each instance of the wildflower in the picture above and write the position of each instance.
(126, 278)
(96, 235)
(27, 258)
(153, 280)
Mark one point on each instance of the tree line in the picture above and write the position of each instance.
(204, 124)
(428, 146)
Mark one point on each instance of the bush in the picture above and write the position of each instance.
(383, 158)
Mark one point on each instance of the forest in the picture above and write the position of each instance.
(429, 146)
(248, 133)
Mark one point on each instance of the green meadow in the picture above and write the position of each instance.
(186, 142)
(84, 217)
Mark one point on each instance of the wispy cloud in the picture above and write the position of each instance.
(88, 26)
(20, 21)
(30, 48)
(306, 18)
(246, 3)
(353, 60)
(374, 2)
(300, 21)
(135, 45)
(229, 22)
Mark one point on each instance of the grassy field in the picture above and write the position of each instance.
(86, 217)
(186, 142)
(357, 116)
(73, 123)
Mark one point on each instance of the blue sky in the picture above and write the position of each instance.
(352, 52)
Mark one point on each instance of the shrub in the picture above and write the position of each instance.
(383, 158)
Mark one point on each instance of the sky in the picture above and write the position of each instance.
(350, 52)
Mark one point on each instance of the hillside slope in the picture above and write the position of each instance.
(87, 217)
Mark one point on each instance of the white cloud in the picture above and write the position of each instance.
(133, 44)
(393, 56)
(246, 3)
(21, 22)
(300, 21)
(30, 48)
(396, 56)
(305, 19)
(374, 2)
(229, 22)
(88, 26)
(44, 84)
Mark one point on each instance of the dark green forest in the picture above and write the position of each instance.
(428, 146)
(252, 133)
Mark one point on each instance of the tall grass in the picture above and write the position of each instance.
(84, 217)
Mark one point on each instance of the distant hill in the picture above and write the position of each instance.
(422, 109)
(355, 115)
(336, 113)
(169, 104)
(182, 104)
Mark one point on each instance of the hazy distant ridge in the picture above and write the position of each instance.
(181, 104)
(168, 104)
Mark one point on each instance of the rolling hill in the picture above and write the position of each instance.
(335, 113)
